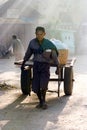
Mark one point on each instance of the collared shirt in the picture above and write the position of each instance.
(35, 45)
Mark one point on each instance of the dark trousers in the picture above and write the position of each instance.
(41, 96)
(41, 76)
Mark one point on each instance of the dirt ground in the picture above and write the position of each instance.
(18, 112)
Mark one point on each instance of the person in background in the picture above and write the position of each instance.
(18, 49)
(40, 47)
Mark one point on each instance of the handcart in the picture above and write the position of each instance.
(65, 75)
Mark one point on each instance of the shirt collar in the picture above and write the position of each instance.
(38, 40)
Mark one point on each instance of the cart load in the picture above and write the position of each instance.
(62, 49)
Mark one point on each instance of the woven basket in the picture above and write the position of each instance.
(63, 56)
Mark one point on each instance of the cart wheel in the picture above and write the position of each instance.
(26, 81)
(68, 80)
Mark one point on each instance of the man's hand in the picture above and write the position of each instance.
(57, 71)
(22, 66)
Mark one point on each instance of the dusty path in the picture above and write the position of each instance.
(18, 112)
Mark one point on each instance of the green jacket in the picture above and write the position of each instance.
(46, 44)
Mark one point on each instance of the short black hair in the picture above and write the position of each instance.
(39, 28)
(14, 36)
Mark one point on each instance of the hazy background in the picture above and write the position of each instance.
(65, 20)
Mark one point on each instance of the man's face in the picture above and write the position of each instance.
(40, 35)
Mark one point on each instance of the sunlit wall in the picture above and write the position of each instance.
(59, 17)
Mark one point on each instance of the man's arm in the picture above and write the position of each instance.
(27, 55)
(55, 57)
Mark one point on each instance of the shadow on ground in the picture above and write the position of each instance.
(21, 114)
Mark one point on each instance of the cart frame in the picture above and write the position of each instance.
(65, 75)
